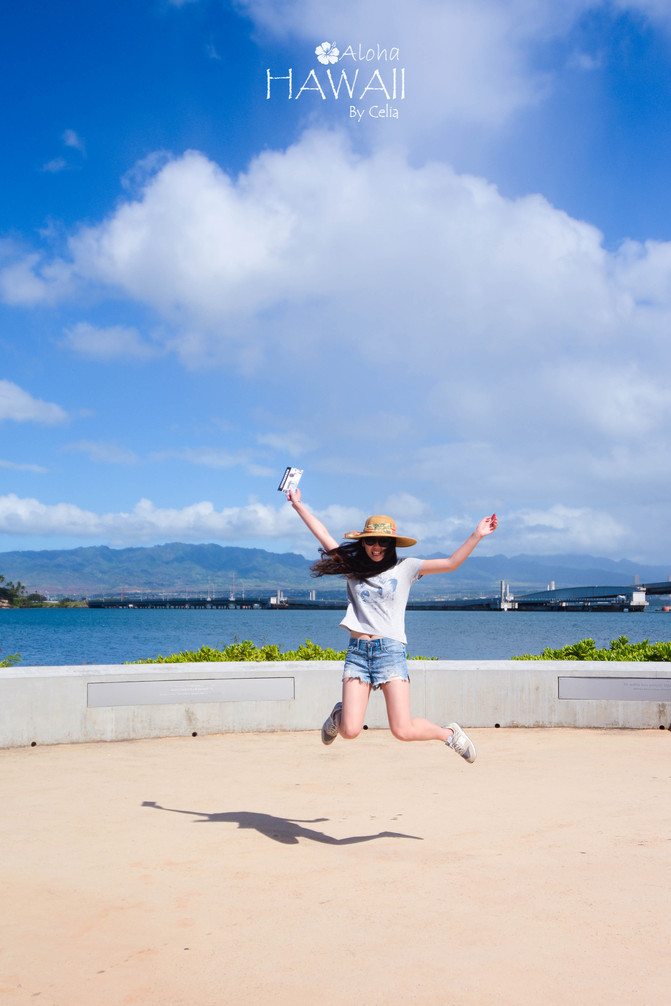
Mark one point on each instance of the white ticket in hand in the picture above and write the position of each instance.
(290, 480)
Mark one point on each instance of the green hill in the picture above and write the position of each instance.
(99, 569)
(201, 568)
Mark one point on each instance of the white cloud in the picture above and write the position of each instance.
(553, 530)
(109, 343)
(135, 179)
(103, 452)
(405, 318)
(556, 529)
(54, 166)
(404, 506)
(623, 402)
(466, 59)
(585, 61)
(293, 444)
(110, 452)
(565, 529)
(656, 10)
(218, 458)
(72, 139)
(29, 280)
(149, 523)
(468, 62)
(304, 247)
(20, 407)
(16, 466)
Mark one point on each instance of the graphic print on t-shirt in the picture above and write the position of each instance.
(375, 595)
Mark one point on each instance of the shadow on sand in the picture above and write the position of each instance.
(279, 829)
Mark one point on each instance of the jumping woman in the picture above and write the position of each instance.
(378, 584)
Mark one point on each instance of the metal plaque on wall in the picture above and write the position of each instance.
(189, 690)
(618, 689)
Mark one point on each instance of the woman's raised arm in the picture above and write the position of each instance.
(486, 527)
(322, 535)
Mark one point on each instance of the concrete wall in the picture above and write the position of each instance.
(57, 705)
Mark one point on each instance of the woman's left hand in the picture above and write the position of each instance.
(487, 526)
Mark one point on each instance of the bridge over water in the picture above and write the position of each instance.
(623, 597)
(628, 597)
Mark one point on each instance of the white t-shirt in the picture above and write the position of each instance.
(377, 605)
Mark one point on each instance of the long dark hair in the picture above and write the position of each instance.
(351, 561)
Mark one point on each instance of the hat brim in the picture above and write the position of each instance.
(401, 541)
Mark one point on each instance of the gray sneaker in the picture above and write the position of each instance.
(460, 743)
(330, 730)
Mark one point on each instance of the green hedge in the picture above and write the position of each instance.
(247, 650)
(619, 649)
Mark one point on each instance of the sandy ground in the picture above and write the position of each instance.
(266, 867)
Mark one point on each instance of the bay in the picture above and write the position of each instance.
(63, 636)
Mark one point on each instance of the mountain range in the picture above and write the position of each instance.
(218, 569)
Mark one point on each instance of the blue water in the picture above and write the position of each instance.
(46, 636)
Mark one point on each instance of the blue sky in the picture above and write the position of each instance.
(458, 306)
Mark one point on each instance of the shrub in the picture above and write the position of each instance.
(247, 650)
(619, 649)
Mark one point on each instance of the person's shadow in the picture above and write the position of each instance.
(279, 829)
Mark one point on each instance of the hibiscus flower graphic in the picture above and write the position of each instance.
(327, 52)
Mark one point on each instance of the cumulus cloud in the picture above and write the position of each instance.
(467, 60)
(566, 529)
(555, 529)
(526, 352)
(20, 407)
(304, 245)
(469, 63)
(149, 523)
(523, 359)
(31, 279)
(552, 530)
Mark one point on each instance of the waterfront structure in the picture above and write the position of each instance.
(630, 597)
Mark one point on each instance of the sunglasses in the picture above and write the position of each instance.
(382, 542)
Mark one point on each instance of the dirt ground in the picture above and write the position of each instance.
(267, 867)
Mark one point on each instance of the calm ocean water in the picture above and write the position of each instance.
(88, 636)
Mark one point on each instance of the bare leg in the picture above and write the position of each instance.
(403, 727)
(355, 695)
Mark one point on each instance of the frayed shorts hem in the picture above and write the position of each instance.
(375, 662)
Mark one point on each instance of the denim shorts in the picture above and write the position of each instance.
(376, 661)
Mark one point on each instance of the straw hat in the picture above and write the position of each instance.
(381, 526)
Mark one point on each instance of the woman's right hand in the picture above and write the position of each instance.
(312, 523)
